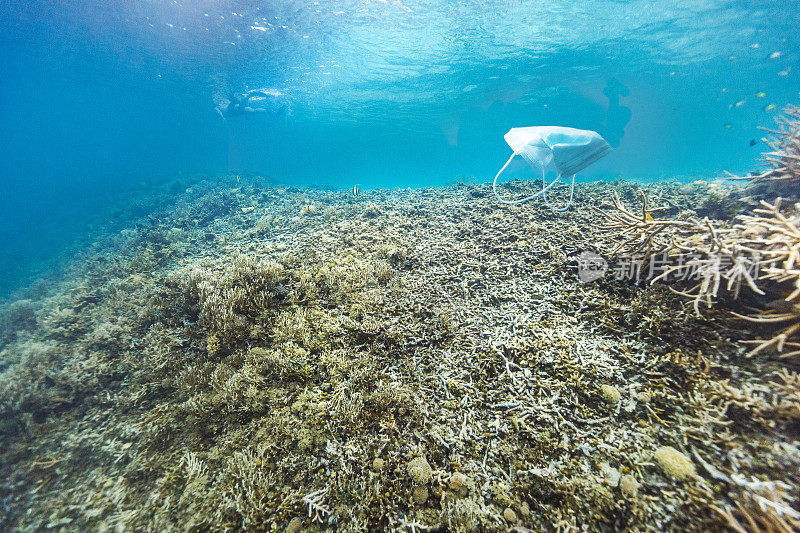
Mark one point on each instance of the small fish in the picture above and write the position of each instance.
(753, 142)
(755, 46)
(724, 89)
(774, 55)
(769, 107)
(761, 94)
(728, 125)
(355, 190)
(784, 72)
(648, 217)
(740, 103)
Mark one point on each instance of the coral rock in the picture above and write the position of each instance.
(611, 394)
(674, 463)
(629, 485)
(419, 470)
(420, 495)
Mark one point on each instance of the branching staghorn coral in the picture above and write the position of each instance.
(755, 519)
(698, 248)
(774, 401)
(713, 261)
(638, 233)
(777, 240)
(246, 287)
(760, 506)
(784, 159)
(761, 253)
(317, 511)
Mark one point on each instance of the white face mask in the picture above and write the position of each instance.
(566, 151)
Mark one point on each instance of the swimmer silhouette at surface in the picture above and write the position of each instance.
(238, 105)
(617, 116)
(252, 102)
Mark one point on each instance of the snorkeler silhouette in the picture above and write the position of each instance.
(252, 102)
(239, 105)
(617, 116)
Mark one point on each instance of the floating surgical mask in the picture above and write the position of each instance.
(565, 151)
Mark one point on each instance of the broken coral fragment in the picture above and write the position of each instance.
(610, 474)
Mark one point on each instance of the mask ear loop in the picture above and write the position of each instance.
(571, 192)
(545, 187)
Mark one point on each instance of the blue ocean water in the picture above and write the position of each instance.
(99, 100)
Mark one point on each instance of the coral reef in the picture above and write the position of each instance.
(759, 254)
(747, 264)
(782, 177)
(402, 360)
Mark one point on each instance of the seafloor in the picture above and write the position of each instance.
(267, 358)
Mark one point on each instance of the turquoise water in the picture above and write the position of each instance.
(101, 100)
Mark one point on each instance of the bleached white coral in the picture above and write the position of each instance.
(317, 511)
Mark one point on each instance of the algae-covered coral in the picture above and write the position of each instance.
(402, 360)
